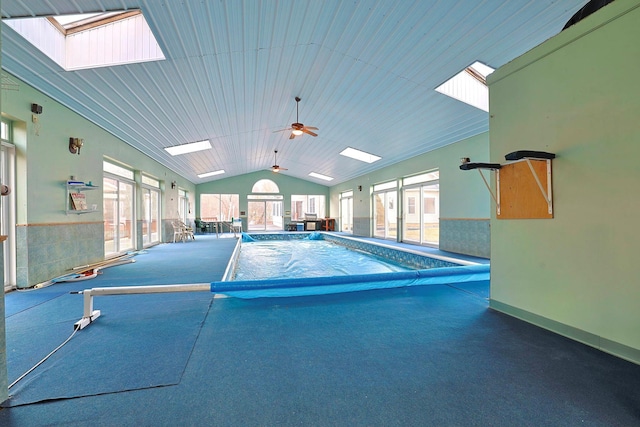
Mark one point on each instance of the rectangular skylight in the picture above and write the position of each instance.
(82, 41)
(188, 148)
(469, 86)
(360, 155)
(320, 176)
(208, 174)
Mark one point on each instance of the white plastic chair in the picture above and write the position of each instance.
(236, 226)
(178, 231)
(182, 231)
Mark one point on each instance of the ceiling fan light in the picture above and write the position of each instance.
(297, 132)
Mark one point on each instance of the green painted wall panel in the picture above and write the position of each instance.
(462, 193)
(45, 163)
(242, 185)
(575, 95)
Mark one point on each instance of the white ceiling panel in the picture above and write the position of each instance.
(365, 70)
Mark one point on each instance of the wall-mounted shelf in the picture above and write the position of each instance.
(76, 201)
(523, 184)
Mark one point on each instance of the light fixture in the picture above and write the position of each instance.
(173, 185)
(208, 174)
(297, 132)
(360, 155)
(320, 176)
(188, 148)
(36, 109)
(75, 144)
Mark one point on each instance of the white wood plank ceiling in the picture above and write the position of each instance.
(365, 70)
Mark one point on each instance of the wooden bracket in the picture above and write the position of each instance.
(515, 195)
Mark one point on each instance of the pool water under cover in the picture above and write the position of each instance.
(275, 259)
(309, 264)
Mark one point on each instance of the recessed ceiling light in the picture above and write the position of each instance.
(208, 174)
(188, 148)
(360, 155)
(320, 176)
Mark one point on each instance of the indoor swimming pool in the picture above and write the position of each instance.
(276, 259)
(321, 263)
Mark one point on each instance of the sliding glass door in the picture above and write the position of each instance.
(346, 211)
(119, 224)
(265, 215)
(421, 209)
(150, 216)
(385, 210)
(8, 203)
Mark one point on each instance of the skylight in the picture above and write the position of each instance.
(208, 174)
(91, 40)
(191, 147)
(360, 155)
(469, 86)
(320, 176)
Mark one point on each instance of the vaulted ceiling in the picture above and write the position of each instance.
(365, 71)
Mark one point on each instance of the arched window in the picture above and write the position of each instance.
(265, 186)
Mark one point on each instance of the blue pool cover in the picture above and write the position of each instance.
(336, 284)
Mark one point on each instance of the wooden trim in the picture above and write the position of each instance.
(3, 238)
(93, 24)
(102, 22)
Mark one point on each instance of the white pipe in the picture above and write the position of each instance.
(90, 314)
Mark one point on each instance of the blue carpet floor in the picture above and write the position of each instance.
(150, 351)
(420, 356)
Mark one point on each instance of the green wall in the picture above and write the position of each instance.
(464, 197)
(45, 162)
(575, 95)
(242, 185)
(48, 240)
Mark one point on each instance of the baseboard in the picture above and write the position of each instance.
(612, 347)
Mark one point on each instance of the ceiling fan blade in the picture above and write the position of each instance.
(281, 130)
(311, 127)
(292, 136)
(307, 131)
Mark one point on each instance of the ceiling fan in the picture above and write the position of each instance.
(298, 128)
(276, 168)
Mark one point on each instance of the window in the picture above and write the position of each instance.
(265, 210)
(119, 209)
(265, 186)
(469, 86)
(150, 210)
(91, 40)
(183, 206)
(411, 205)
(346, 211)
(302, 204)
(219, 207)
(385, 213)
(421, 192)
(8, 204)
(114, 169)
